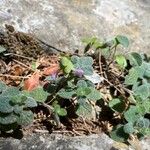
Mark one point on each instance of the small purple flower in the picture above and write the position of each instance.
(79, 72)
(54, 76)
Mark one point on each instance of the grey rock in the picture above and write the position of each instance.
(64, 23)
(60, 142)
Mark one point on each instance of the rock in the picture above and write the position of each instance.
(64, 23)
(60, 142)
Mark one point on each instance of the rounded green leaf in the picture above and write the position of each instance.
(66, 64)
(135, 59)
(128, 128)
(66, 93)
(5, 106)
(38, 94)
(118, 134)
(132, 114)
(6, 119)
(60, 111)
(83, 91)
(123, 40)
(25, 118)
(117, 105)
(94, 95)
(132, 77)
(30, 102)
(84, 110)
(121, 61)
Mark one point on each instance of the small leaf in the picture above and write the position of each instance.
(84, 110)
(83, 91)
(135, 59)
(142, 123)
(5, 106)
(18, 109)
(94, 95)
(118, 134)
(128, 128)
(6, 119)
(132, 114)
(143, 91)
(121, 61)
(18, 99)
(117, 105)
(25, 118)
(30, 102)
(66, 93)
(132, 77)
(66, 65)
(38, 94)
(10, 92)
(2, 49)
(60, 111)
(123, 40)
(81, 83)
(32, 82)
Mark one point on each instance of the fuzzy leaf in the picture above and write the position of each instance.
(117, 105)
(6, 119)
(10, 92)
(30, 102)
(66, 93)
(5, 106)
(128, 128)
(135, 59)
(84, 63)
(132, 114)
(143, 91)
(18, 99)
(123, 40)
(3, 86)
(25, 118)
(132, 77)
(84, 110)
(118, 134)
(38, 94)
(83, 91)
(121, 61)
(143, 123)
(18, 109)
(94, 95)
(60, 111)
(81, 83)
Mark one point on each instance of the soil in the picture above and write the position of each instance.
(23, 53)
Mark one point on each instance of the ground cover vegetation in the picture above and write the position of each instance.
(97, 90)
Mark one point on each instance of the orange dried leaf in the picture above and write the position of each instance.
(54, 69)
(32, 82)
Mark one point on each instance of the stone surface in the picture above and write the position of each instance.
(60, 142)
(63, 23)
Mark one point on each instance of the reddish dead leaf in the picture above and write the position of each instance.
(32, 82)
(53, 69)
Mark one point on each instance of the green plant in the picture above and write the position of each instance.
(14, 108)
(74, 87)
(136, 72)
